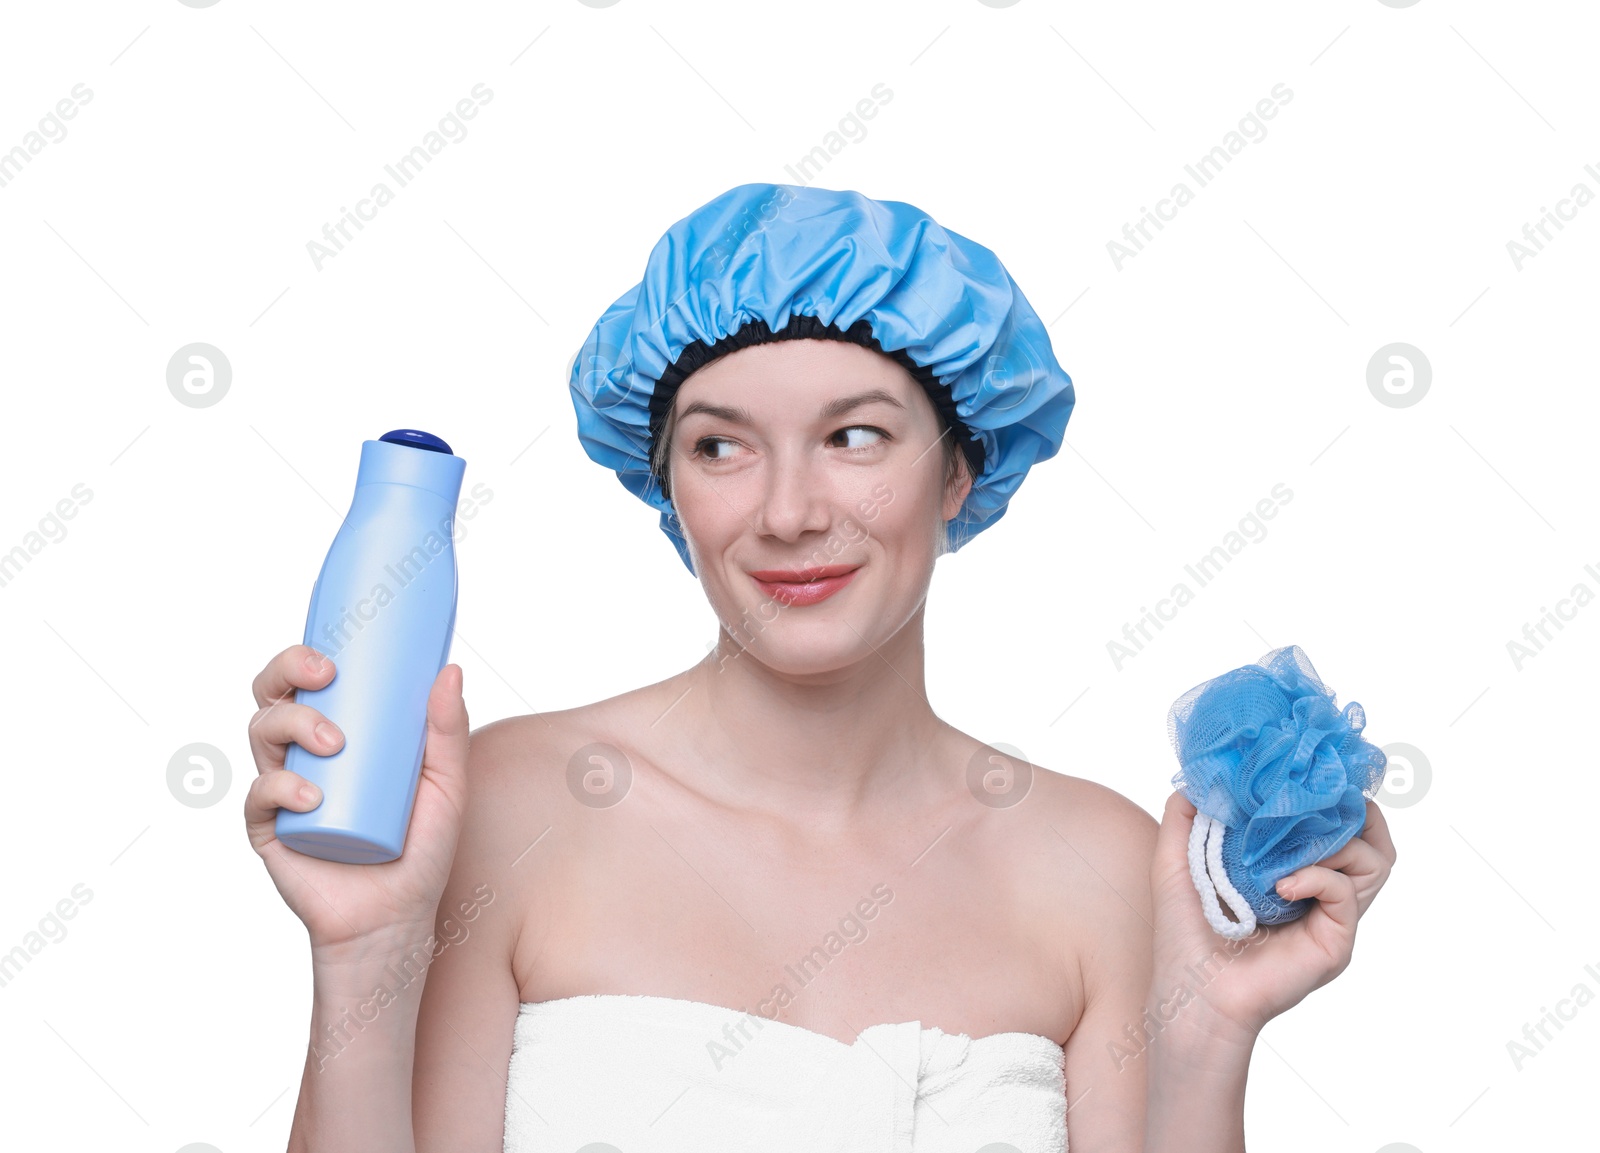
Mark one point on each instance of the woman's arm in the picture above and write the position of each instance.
(1197, 1091)
(1111, 847)
(1144, 1070)
(1213, 995)
(411, 1042)
(411, 1029)
(469, 1009)
(1160, 1055)
(355, 1091)
(370, 926)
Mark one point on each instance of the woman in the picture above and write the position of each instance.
(773, 901)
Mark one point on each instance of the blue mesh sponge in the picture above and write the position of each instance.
(1279, 778)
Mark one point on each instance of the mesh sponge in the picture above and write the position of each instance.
(1279, 777)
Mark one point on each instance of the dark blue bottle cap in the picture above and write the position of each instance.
(417, 439)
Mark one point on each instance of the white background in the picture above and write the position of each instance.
(1228, 356)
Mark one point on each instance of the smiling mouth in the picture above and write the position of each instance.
(807, 586)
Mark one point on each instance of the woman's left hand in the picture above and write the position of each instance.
(1249, 981)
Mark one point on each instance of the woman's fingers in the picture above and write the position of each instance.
(1364, 862)
(444, 752)
(1359, 859)
(1376, 832)
(273, 727)
(296, 667)
(279, 718)
(280, 789)
(1332, 924)
(1179, 804)
(1345, 883)
(1172, 840)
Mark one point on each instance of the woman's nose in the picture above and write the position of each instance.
(794, 498)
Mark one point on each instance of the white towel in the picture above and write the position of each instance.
(643, 1074)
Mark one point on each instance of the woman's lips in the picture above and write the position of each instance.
(804, 586)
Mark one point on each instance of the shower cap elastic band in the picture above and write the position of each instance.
(803, 327)
(1279, 777)
(940, 303)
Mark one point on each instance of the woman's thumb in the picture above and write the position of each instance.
(444, 755)
(1172, 841)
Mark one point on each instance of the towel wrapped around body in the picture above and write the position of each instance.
(644, 1073)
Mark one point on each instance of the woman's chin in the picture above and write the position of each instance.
(816, 649)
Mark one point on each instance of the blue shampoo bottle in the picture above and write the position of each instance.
(383, 610)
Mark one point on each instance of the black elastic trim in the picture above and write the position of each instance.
(802, 327)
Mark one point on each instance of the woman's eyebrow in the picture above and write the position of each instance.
(720, 411)
(834, 408)
(845, 403)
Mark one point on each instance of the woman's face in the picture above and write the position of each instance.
(807, 454)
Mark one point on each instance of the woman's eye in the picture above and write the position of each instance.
(701, 445)
(876, 435)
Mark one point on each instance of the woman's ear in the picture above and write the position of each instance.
(955, 492)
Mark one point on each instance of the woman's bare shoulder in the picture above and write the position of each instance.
(1098, 845)
(1073, 857)
(1064, 825)
(529, 751)
(1098, 815)
(540, 758)
(520, 814)
(516, 740)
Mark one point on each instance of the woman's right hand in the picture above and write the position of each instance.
(355, 912)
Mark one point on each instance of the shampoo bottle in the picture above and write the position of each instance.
(383, 610)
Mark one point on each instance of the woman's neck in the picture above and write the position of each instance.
(821, 749)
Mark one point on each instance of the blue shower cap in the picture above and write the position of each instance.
(761, 254)
(1279, 778)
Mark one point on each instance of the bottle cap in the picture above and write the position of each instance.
(393, 459)
(416, 439)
